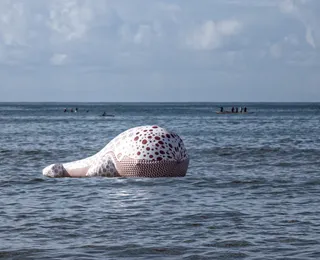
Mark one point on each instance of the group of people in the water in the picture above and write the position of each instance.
(76, 110)
(73, 111)
(236, 110)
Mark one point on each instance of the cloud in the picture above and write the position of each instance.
(306, 12)
(288, 6)
(13, 23)
(158, 46)
(69, 19)
(284, 47)
(141, 34)
(211, 35)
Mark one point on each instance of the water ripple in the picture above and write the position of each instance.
(251, 192)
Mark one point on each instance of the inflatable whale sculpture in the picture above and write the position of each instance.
(144, 151)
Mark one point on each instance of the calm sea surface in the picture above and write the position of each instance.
(252, 190)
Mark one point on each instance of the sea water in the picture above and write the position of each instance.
(252, 190)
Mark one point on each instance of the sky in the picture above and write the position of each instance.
(159, 50)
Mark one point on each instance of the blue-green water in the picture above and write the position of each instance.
(252, 190)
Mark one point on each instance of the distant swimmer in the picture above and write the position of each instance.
(71, 110)
(245, 109)
(237, 110)
(241, 110)
(105, 114)
(65, 110)
(221, 109)
(76, 110)
(232, 109)
(87, 111)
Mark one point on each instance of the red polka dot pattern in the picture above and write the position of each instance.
(149, 142)
(149, 151)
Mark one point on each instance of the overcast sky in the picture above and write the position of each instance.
(161, 50)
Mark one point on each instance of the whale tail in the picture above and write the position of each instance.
(54, 171)
(58, 170)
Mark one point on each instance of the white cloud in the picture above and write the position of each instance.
(210, 35)
(143, 35)
(69, 19)
(310, 38)
(306, 11)
(13, 23)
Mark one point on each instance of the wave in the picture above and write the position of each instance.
(9, 152)
(253, 151)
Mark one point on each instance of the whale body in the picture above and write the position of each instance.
(143, 151)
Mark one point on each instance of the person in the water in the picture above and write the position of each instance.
(221, 109)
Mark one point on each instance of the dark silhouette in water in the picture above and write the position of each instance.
(234, 110)
(105, 114)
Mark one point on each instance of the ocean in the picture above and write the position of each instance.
(252, 190)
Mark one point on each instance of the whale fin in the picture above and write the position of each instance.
(105, 168)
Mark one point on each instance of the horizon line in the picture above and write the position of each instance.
(150, 102)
